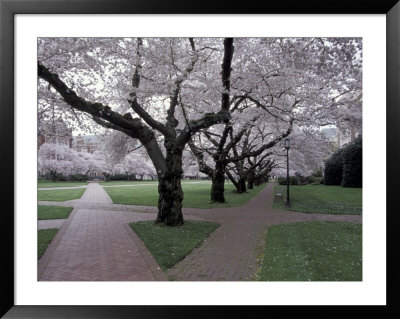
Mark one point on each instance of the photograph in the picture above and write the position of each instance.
(199, 159)
(173, 159)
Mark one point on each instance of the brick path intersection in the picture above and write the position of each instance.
(96, 243)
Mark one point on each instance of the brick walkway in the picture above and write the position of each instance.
(232, 252)
(95, 243)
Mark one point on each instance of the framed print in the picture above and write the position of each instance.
(362, 40)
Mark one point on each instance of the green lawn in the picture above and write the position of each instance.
(155, 181)
(53, 212)
(322, 199)
(313, 251)
(45, 236)
(169, 245)
(47, 184)
(116, 183)
(196, 195)
(59, 195)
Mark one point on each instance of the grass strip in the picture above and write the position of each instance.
(45, 236)
(48, 184)
(53, 212)
(169, 245)
(60, 195)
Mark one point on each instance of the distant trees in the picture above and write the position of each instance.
(59, 159)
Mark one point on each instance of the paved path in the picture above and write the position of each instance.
(96, 243)
(233, 251)
(50, 223)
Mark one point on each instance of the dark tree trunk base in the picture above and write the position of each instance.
(241, 186)
(218, 185)
(170, 193)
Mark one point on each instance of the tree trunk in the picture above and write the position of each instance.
(241, 188)
(250, 180)
(85, 176)
(170, 191)
(53, 176)
(218, 181)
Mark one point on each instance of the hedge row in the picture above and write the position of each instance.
(344, 167)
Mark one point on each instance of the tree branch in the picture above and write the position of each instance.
(95, 109)
(204, 168)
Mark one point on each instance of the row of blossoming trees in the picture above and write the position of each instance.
(225, 104)
(55, 161)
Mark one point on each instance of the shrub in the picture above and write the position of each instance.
(119, 177)
(352, 164)
(315, 180)
(302, 180)
(61, 178)
(293, 180)
(77, 177)
(317, 173)
(334, 169)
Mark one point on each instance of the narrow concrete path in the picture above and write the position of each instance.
(50, 223)
(96, 245)
(95, 194)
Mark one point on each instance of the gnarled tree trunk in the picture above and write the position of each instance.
(218, 181)
(241, 188)
(170, 191)
(250, 179)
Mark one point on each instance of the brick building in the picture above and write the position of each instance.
(85, 143)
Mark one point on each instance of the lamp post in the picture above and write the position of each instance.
(287, 146)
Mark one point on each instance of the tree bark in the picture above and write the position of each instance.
(218, 183)
(53, 176)
(241, 185)
(170, 191)
(250, 179)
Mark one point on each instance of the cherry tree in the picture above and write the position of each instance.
(139, 164)
(56, 159)
(87, 163)
(302, 81)
(307, 153)
(190, 165)
(127, 154)
(148, 79)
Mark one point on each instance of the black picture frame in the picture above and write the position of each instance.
(8, 9)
